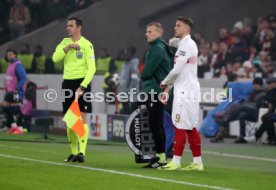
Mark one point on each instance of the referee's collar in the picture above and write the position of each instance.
(77, 40)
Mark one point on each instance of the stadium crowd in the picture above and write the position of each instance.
(18, 17)
(248, 49)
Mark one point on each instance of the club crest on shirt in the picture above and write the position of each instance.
(79, 54)
(182, 53)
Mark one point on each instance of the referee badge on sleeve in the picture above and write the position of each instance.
(79, 54)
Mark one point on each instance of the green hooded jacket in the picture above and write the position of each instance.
(157, 66)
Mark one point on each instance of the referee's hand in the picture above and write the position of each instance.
(79, 92)
(71, 46)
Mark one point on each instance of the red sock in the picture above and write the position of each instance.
(179, 141)
(194, 141)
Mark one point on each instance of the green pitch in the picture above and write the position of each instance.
(110, 165)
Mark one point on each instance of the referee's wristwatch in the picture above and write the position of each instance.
(82, 88)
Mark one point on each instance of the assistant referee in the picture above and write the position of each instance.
(77, 54)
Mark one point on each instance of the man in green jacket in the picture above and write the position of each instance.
(158, 65)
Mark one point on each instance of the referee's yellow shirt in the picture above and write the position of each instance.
(77, 63)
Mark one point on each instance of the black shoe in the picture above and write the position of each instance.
(240, 140)
(155, 165)
(80, 157)
(70, 158)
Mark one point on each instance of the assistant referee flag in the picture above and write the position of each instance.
(73, 119)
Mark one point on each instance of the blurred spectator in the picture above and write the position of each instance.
(50, 67)
(247, 70)
(236, 67)
(203, 62)
(262, 56)
(257, 69)
(238, 27)
(19, 19)
(259, 38)
(269, 42)
(129, 78)
(265, 63)
(105, 63)
(224, 36)
(39, 60)
(252, 53)
(223, 73)
(26, 57)
(247, 35)
(214, 53)
(224, 57)
(120, 61)
(239, 48)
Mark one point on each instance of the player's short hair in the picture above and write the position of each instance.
(78, 21)
(186, 20)
(158, 25)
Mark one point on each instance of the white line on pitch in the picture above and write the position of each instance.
(239, 156)
(117, 172)
(204, 152)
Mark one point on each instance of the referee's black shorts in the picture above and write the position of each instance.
(72, 85)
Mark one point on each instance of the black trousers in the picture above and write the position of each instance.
(156, 109)
(10, 112)
(72, 85)
(267, 125)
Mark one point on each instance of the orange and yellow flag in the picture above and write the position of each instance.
(73, 119)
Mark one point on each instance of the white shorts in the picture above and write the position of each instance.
(185, 113)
